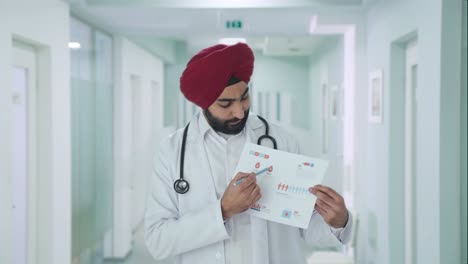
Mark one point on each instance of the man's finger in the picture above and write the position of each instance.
(240, 175)
(329, 191)
(240, 178)
(321, 211)
(256, 198)
(323, 195)
(247, 182)
(324, 205)
(255, 189)
(325, 198)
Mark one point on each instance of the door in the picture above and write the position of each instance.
(411, 73)
(335, 137)
(23, 139)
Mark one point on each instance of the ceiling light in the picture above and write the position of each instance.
(74, 45)
(313, 24)
(232, 41)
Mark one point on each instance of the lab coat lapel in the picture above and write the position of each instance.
(197, 172)
(259, 231)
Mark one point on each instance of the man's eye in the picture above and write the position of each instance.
(226, 105)
(245, 98)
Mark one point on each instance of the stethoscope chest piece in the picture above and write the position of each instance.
(181, 186)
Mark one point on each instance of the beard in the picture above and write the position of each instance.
(226, 126)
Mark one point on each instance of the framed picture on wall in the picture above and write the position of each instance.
(375, 97)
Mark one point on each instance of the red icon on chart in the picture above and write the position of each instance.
(282, 187)
(270, 169)
(257, 165)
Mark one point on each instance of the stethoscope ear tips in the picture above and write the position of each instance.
(181, 186)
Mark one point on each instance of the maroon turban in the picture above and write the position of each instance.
(209, 71)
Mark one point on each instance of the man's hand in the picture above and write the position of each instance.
(330, 206)
(240, 197)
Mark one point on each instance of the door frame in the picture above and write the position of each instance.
(22, 58)
(410, 151)
(396, 168)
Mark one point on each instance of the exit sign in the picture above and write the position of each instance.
(235, 24)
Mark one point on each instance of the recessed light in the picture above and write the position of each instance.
(232, 41)
(74, 45)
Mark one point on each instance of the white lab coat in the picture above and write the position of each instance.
(190, 226)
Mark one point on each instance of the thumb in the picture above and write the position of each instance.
(240, 175)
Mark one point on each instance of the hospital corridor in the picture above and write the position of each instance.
(122, 124)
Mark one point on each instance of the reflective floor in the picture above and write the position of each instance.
(139, 254)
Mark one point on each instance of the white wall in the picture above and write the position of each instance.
(390, 21)
(46, 27)
(172, 73)
(449, 177)
(129, 205)
(287, 75)
(463, 135)
(327, 67)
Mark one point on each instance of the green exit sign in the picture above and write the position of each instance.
(236, 24)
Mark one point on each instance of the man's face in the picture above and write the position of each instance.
(229, 113)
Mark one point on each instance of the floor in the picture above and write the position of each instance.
(140, 255)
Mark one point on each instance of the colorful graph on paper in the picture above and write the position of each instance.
(284, 179)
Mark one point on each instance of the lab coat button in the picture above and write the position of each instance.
(218, 255)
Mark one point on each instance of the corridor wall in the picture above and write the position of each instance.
(287, 75)
(326, 67)
(133, 157)
(463, 136)
(92, 139)
(44, 26)
(437, 179)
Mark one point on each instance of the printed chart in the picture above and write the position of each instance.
(284, 179)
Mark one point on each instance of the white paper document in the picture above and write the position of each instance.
(284, 179)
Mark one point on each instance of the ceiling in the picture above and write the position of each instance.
(277, 28)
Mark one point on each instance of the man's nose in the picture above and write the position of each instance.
(238, 110)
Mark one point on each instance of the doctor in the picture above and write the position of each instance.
(195, 212)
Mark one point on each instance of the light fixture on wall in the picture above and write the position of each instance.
(313, 24)
(231, 41)
(74, 45)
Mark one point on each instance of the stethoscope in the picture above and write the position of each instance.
(181, 186)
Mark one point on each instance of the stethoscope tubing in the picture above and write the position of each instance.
(181, 186)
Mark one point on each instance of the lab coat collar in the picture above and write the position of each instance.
(254, 122)
(203, 127)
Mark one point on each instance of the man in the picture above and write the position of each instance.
(201, 218)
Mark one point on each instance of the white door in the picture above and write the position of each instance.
(23, 138)
(335, 138)
(410, 150)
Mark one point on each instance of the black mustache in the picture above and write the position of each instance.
(233, 120)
